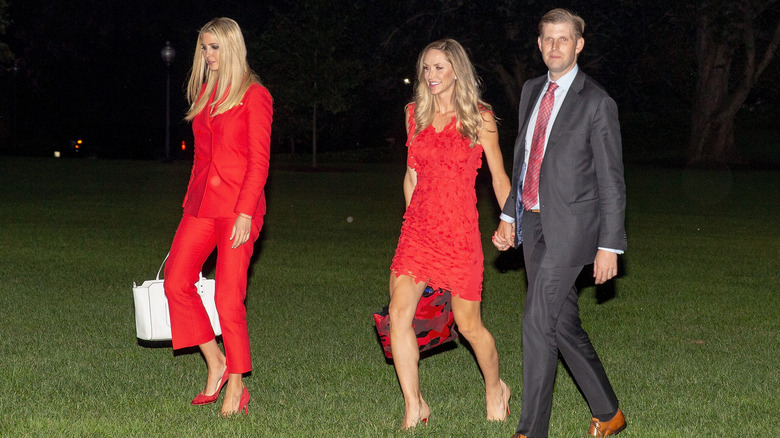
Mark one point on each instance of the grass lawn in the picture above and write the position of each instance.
(690, 338)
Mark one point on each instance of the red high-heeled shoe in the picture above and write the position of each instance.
(203, 399)
(243, 404)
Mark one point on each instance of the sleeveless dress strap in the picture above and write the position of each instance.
(410, 121)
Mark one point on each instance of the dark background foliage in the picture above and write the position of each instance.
(92, 69)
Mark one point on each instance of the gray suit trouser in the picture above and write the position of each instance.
(551, 326)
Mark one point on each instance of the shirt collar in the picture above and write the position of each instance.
(565, 81)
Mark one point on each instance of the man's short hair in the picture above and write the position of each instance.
(561, 15)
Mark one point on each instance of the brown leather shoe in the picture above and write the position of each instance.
(606, 428)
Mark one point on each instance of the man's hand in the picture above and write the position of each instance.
(605, 266)
(504, 237)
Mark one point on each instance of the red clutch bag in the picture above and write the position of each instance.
(433, 321)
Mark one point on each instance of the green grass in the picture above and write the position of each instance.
(690, 341)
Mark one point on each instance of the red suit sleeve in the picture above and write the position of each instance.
(259, 107)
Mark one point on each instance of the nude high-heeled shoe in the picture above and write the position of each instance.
(203, 399)
(422, 419)
(507, 394)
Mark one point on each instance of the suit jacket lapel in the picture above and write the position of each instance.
(524, 115)
(535, 92)
(568, 108)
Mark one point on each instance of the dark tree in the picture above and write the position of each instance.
(735, 42)
(9, 70)
(5, 53)
(311, 64)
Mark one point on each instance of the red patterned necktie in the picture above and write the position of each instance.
(531, 185)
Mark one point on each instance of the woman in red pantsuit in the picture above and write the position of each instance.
(231, 116)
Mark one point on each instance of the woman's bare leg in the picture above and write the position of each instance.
(469, 321)
(404, 296)
(235, 387)
(215, 361)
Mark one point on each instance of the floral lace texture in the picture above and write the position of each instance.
(440, 241)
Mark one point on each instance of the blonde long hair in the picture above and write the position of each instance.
(466, 97)
(233, 69)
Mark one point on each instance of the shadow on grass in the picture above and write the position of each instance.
(154, 344)
(168, 344)
(604, 292)
(509, 260)
(512, 260)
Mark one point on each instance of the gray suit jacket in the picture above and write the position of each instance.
(582, 193)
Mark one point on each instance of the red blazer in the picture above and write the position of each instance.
(232, 151)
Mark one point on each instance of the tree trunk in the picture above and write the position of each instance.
(714, 144)
(314, 117)
(512, 81)
(712, 130)
(718, 97)
(712, 125)
(314, 136)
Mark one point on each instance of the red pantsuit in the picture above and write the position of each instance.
(195, 239)
(228, 177)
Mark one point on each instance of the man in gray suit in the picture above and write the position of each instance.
(569, 202)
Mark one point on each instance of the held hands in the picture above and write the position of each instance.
(605, 266)
(241, 230)
(504, 237)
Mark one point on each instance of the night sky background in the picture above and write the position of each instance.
(92, 69)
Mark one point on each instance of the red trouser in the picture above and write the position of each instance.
(194, 241)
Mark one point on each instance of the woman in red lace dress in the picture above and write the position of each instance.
(448, 128)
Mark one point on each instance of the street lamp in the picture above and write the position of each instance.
(168, 54)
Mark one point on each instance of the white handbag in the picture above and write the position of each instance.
(152, 318)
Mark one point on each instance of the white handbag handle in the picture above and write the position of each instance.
(200, 274)
(163, 264)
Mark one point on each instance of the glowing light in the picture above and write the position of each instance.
(407, 81)
(183, 146)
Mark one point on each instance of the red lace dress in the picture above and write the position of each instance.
(440, 241)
